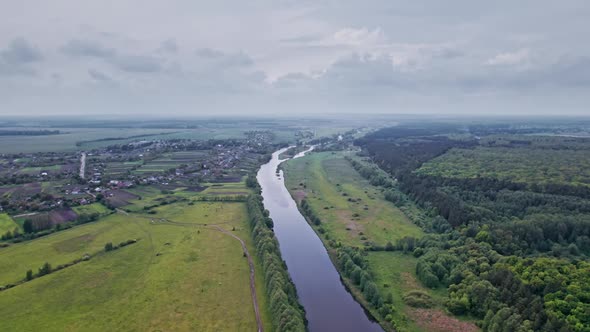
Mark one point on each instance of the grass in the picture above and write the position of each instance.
(351, 210)
(91, 208)
(354, 212)
(29, 170)
(394, 272)
(176, 277)
(66, 140)
(523, 165)
(7, 224)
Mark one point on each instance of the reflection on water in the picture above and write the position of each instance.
(328, 306)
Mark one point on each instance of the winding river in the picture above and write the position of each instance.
(328, 305)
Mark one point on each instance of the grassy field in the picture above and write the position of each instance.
(394, 273)
(7, 224)
(91, 208)
(355, 213)
(66, 141)
(352, 211)
(524, 165)
(182, 277)
(32, 170)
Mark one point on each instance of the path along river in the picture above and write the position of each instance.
(328, 305)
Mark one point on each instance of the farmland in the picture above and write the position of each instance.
(7, 224)
(197, 274)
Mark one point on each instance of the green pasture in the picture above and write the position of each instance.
(351, 210)
(181, 277)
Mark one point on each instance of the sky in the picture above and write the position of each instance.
(287, 57)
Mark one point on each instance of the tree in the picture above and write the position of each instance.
(29, 275)
(28, 226)
(108, 246)
(45, 269)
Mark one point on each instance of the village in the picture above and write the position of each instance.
(48, 188)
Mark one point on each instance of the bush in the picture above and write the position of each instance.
(108, 247)
(418, 299)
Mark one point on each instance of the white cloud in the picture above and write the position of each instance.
(510, 58)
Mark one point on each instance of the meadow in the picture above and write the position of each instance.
(7, 224)
(94, 208)
(180, 275)
(352, 211)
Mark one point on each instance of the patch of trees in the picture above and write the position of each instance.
(29, 132)
(286, 312)
(353, 266)
(37, 228)
(309, 213)
(110, 247)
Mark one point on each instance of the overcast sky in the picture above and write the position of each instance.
(290, 57)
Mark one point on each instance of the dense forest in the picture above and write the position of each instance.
(512, 253)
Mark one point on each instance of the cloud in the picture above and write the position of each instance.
(137, 63)
(358, 37)
(168, 46)
(87, 48)
(20, 51)
(509, 59)
(99, 76)
(222, 59)
(313, 54)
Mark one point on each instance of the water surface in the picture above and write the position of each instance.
(328, 305)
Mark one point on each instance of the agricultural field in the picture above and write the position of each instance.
(67, 139)
(119, 169)
(522, 165)
(7, 224)
(352, 211)
(94, 208)
(198, 274)
(37, 170)
(171, 161)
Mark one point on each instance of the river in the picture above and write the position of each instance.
(328, 305)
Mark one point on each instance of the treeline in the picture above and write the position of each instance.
(286, 312)
(309, 213)
(353, 266)
(33, 229)
(29, 132)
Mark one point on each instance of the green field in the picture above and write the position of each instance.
(355, 213)
(394, 273)
(351, 210)
(29, 170)
(181, 277)
(91, 208)
(523, 165)
(7, 224)
(66, 141)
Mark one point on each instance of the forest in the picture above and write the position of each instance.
(511, 250)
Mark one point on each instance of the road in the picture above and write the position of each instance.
(83, 165)
(252, 274)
